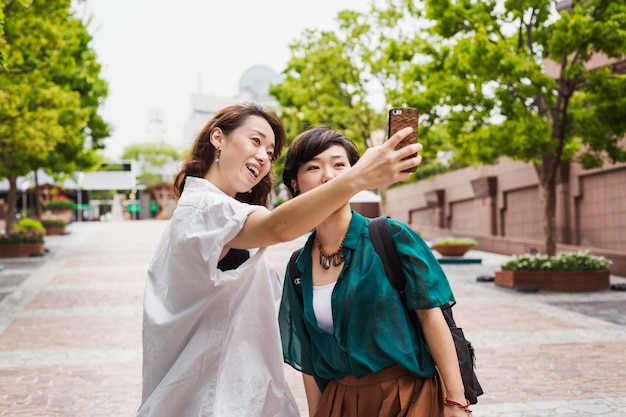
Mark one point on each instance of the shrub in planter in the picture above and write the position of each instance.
(25, 239)
(22, 236)
(60, 210)
(455, 241)
(453, 246)
(54, 226)
(566, 271)
(563, 261)
(59, 205)
(52, 223)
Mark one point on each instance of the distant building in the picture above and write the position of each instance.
(254, 86)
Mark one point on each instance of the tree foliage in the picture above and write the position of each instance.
(490, 78)
(515, 78)
(50, 93)
(332, 77)
(153, 158)
(325, 83)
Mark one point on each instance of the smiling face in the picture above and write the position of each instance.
(322, 168)
(245, 156)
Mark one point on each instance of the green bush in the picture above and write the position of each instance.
(27, 224)
(454, 241)
(59, 205)
(563, 261)
(25, 231)
(52, 223)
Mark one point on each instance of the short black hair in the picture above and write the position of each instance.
(310, 143)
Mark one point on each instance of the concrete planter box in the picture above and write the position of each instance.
(555, 280)
(20, 250)
(451, 250)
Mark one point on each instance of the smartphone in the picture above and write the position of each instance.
(399, 118)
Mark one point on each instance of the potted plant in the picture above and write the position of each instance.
(566, 271)
(59, 205)
(453, 246)
(26, 239)
(60, 210)
(53, 226)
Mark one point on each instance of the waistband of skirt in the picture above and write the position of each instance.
(383, 375)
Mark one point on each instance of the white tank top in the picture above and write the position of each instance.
(321, 306)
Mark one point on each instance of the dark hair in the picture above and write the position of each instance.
(202, 153)
(310, 143)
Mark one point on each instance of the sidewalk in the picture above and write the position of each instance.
(70, 333)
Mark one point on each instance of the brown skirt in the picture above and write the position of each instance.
(392, 392)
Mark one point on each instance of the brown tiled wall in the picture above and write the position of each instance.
(522, 216)
(602, 210)
(463, 216)
(590, 213)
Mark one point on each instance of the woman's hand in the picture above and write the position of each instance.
(384, 165)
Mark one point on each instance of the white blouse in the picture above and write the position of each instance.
(322, 307)
(211, 344)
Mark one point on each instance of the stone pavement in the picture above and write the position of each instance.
(70, 333)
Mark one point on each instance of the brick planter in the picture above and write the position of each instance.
(555, 280)
(20, 250)
(55, 230)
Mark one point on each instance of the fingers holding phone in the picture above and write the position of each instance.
(400, 118)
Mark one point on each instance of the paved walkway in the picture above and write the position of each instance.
(70, 333)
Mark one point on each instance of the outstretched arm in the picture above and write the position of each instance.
(379, 166)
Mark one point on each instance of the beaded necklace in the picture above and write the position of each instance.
(336, 257)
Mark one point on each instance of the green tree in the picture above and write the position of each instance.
(514, 78)
(491, 78)
(325, 83)
(153, 158)
(49, 94)
(335, 77)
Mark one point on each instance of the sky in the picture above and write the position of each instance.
(155, 53)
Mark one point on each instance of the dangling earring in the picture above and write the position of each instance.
(217, 155)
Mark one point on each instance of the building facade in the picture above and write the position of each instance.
(501, 206)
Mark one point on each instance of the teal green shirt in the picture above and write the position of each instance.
(371, 326)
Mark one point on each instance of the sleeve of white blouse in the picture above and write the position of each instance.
(206, 228)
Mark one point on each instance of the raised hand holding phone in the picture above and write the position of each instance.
(399, 118)
(388, 163)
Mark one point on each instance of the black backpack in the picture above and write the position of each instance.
(384, 246)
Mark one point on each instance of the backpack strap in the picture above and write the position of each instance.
(384, 246)
(295, 274)
(386, 249)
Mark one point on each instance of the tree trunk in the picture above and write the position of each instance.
(11, 203)
(38, 207)
(548, 184)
